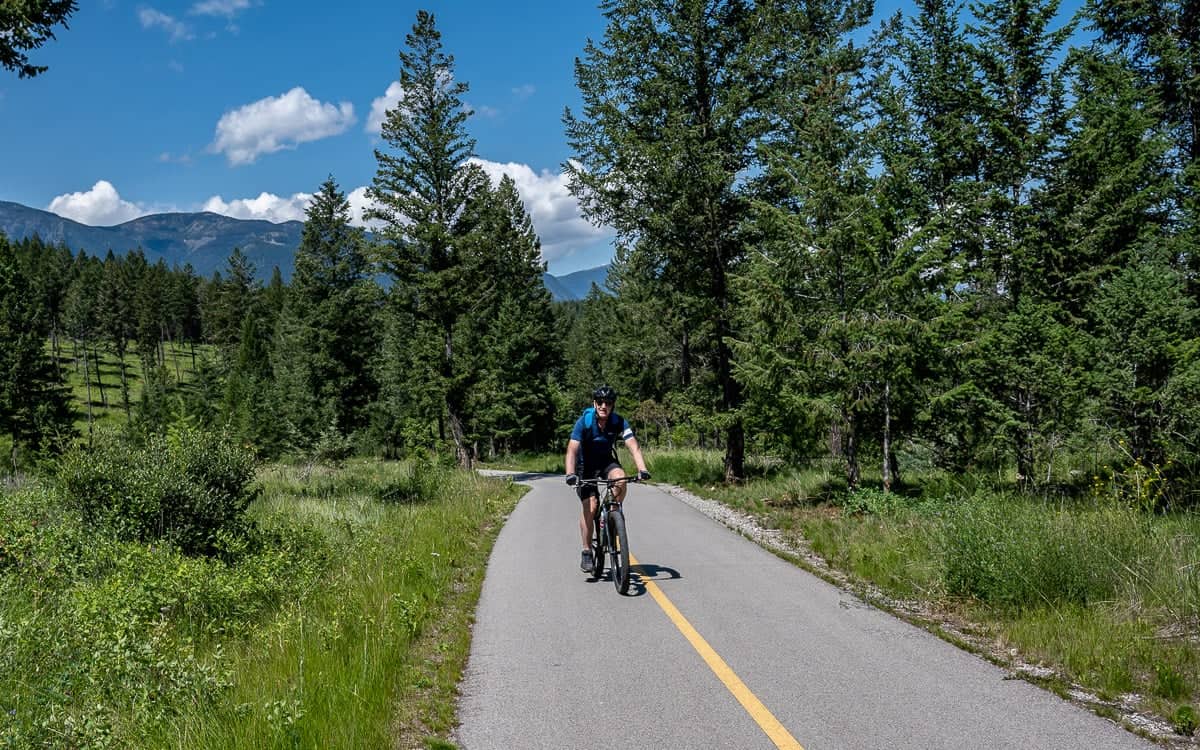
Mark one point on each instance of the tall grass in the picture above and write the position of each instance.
(335, 664)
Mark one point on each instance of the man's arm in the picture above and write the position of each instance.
(572, 452)
(635, 450)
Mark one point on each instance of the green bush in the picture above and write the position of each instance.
(1007, 552)
(190, 488)
(1184, 721)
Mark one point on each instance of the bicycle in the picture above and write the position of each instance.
(608, 533)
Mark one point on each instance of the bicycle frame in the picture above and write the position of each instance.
(608, 533)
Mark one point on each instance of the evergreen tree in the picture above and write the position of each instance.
(671, 115)
(1024, 119)
(326, 339)
(1145, 339)
(117, 317)
(511, 402)
(230, 299)
(34, 404)
(421, 193)
(822, 238)
(80, 322)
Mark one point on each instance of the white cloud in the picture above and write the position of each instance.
(555, 212)
(524, 92)
(276, 123)
(381, 105)
(359, 203)
(482, 109)
(278, 209)
(266, 206)
(101, 206)
(226, 8)
(152, 18)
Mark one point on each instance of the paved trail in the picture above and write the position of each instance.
(720, 645)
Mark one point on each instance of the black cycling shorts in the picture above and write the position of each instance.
(590, 490)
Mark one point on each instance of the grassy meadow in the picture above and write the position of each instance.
(339, 618)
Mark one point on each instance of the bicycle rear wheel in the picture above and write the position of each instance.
(618, 542)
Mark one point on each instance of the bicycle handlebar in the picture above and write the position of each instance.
(610, 482)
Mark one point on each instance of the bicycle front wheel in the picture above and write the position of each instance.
(618, 543)
(597, 550)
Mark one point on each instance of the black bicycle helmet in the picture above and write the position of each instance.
(605, 393)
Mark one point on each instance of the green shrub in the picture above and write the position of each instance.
(872, 501)
(189, 488)
(1184, 721)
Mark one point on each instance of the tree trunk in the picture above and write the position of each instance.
(850, 450)
(87, 378)
(1025, 478)
(887, 436)
(685, 359)
(462, 451)
(99, 376)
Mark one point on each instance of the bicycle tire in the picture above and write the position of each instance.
(618, 542)
(597, 549)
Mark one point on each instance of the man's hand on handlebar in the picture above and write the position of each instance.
(572, 480)
(643, 475)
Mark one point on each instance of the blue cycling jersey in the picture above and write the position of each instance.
(597, 447)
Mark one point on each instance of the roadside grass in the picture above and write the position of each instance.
(372, 656)
(1093, 587)
(344, 621)
(540, 463)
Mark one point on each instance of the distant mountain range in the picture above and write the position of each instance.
(206, 239)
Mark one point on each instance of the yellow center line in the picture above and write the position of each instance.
(763, 717)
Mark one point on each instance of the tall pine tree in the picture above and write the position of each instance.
(421, 193)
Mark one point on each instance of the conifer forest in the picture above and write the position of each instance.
(963, 238)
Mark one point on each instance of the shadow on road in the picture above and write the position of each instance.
(643, 572)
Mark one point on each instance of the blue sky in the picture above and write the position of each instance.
(243, 107)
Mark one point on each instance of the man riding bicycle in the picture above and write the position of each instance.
(593, 450)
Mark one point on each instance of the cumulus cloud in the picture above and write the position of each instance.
(555, 212)
(359, 203)
(266, 206)
(156, 19)
(101, 206)
(225, 8)
(276, 123)
(524, 92)
(279, 208)
(380, 106)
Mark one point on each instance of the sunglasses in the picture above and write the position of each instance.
(609, 404)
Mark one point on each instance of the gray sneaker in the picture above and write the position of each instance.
(585, 561)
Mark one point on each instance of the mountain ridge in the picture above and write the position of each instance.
(205, 240)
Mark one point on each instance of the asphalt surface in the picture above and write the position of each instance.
(561, 661)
